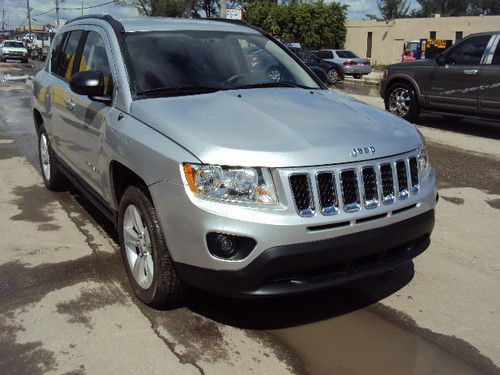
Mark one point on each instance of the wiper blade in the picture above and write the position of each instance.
(178, 90)
(271, 84)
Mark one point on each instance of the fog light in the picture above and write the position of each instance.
(229, 246)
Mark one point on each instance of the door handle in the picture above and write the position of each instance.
(70, 104)
(471, 72)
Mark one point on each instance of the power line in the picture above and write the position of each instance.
(91, 6)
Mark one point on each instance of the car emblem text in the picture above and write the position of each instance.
(362, 150)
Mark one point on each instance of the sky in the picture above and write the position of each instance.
(16, 10)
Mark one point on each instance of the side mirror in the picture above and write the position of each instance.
(91, 84)
(320, 73)
(440, 59)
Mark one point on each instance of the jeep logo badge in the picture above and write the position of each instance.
(362, 150)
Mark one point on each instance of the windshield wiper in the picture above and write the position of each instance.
(271, 84)
(178, 91)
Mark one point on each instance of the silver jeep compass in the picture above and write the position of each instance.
(221, 176)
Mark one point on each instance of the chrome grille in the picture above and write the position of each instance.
(327, 193)
(301, 189)
(355, 188)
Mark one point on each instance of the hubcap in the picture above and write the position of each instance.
(332, 76)
(274, 74)
(400, 101)
(44, 157)
(138, 247)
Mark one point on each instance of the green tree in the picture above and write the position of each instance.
(446, 8)
(314, 24)
(166, 8)
(391, 9)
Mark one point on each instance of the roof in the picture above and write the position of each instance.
(136, 24)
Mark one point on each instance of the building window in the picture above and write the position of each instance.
(458, 35)
(369, 37)
(432, 35)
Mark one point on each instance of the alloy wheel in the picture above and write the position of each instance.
(332, 76)
(44, 156)
(400, 101)
(137, 242)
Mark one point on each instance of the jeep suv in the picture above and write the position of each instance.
(461, 80)
(222, 177)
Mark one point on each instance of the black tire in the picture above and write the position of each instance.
(357, 76)
(166, 289)
(55, 180)
(413, 110)
(333, 76)
(25, 61)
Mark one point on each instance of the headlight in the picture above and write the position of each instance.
(250, 186)
(422, 160)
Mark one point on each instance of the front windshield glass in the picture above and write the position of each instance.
(191, 61)
(14, 44)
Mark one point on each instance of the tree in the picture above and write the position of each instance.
(450, 8)
(391, 9)
(314, 24)
(166, 8)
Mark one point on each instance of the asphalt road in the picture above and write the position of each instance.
(65, 304)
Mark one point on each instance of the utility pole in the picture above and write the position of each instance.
(57, 13)
(223, 8)
(29, 15)
(3, 21)
(82, 8)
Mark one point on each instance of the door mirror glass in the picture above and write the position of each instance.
(319, 73)
(89, 83)
(440, 59)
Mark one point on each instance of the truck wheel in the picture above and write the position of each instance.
(149, 267)
(332, 76)
(52, 176)
(402, 101)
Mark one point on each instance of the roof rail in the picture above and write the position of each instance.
(105, 17)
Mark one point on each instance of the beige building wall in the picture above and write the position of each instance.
(388, 37)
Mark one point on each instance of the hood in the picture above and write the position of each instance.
(276, 127)
(414, 63)
(14, 49)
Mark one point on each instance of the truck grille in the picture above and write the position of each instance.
(350, 189)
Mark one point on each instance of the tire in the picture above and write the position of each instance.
(401, 100)
(147, 251)
(357, 76)
(333, 76)
(52, 176)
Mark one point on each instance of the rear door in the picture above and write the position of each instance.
(454, 85)
(489, 81)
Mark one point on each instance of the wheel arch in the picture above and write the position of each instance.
(121, 177)
(403, 79)
(38, 119)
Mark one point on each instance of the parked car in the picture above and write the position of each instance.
(461, 80)
(352, 64)
(332, 72)
(217, 176)
(261, 61)
(13, 49)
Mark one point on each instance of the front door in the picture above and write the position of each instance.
(489, 82)
(454, 85)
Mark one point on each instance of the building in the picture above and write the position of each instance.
(382, 41)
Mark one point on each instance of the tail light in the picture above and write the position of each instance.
(349, 62)
(366, 63)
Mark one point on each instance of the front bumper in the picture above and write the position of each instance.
(304, 267)
(14, 56)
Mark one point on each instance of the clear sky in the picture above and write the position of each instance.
(16, 9)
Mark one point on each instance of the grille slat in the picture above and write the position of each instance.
(301, 189)
(414, 174)
(370, 187)
(402, 178)
(327, 193)
(387, 183)
(350, 192)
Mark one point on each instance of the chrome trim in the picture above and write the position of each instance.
(372, 203)
(310, 211)
(402, 194)
(351, 207)
(330, 210)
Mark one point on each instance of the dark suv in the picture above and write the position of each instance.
(464, 79)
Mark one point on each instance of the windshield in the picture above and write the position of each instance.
(189, 62)
(14, 44)
(347, 55)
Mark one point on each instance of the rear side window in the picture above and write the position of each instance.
(468, 52)
(56, 52)
(95, 58)
(324, 54)
(496, 56)
(346, 55)
(67, 60)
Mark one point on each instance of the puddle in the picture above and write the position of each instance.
(363, 343)
(357, 89)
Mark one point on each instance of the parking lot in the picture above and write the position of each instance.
(66, 307)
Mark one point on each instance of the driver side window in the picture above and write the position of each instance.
(468, 52)
(95, 58)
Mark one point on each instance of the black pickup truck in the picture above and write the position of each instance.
(465, 79)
